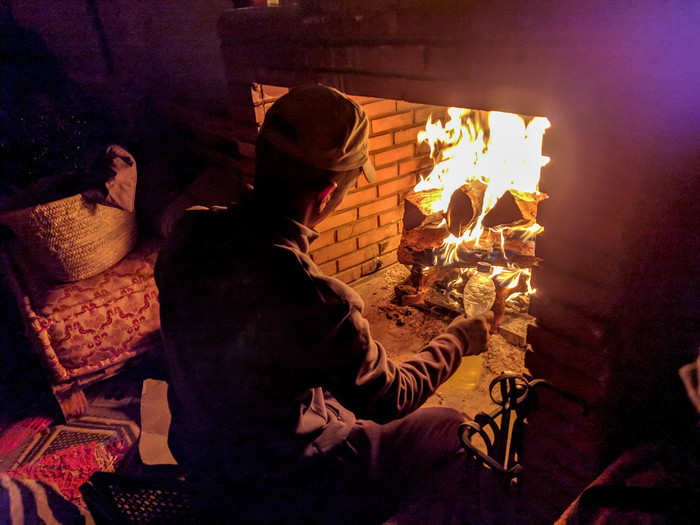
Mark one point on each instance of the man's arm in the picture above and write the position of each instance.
(363, 378)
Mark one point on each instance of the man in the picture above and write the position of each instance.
(277, 379)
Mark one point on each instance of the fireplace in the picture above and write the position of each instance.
(616, 303)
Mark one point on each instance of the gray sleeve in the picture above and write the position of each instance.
(363, 378)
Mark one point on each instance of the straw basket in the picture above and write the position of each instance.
(71, 238)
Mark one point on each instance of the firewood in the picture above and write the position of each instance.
(465, 258)
(403, 289)
(416, 276)
(418, 208)
(423, 238)
(435, 274)
(497, 259)
(422, 246)
(411, 290)
(417, 299)
(514, 208)
(465, 205)
(528, 203)
(505, 211)
(418, 244)
(490, 241)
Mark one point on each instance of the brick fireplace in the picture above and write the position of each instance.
(617, 304)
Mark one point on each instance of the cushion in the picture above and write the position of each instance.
(84, 327)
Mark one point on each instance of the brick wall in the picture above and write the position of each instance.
(362, 235)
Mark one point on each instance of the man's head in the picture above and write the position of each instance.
(311, 148)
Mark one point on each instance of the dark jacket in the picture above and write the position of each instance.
(269, 359)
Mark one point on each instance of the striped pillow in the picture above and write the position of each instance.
(25, 501)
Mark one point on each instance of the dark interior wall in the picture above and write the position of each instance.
(80, 74)
(129, 49)
(660, 318)
(620, 84)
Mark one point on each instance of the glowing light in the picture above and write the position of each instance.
(501, 151)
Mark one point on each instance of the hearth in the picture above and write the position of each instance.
(614, 320)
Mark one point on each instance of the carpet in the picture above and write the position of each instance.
(79, 431)
(65, 456)
(15, 438)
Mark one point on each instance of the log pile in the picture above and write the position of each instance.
(504, 240)
(425, 229)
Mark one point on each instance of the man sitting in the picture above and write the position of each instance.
(282, 397)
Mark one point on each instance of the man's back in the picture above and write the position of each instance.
(256, 336)
(237, 305)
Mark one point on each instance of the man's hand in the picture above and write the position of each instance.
(473, 331)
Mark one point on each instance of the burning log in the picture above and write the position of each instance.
(512, 243)
(422, 241)
(423, 246)
(528, 203)
(505, 211)
(514, 208)
(465, 204)
(472, 259)
(419, 244)
(418, 208)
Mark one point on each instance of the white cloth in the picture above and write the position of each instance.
(155, 424)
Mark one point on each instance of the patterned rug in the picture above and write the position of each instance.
(113, 407)
(16, 436)
(65, 456)
(80, 431)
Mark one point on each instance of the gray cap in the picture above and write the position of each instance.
(320, 126)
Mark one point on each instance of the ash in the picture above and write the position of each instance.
(403, 330)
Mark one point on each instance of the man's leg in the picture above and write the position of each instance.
(417, 454)
(406, 448)
(417, 458)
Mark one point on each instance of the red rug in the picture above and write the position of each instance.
(67, 469)
(15, 435)
(65, 456)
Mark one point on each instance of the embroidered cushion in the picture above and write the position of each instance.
(84, 327)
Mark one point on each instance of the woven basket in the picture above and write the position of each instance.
(71, 238)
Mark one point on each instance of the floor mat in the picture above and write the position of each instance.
(65, 456)
(16, 437)
(80, 431)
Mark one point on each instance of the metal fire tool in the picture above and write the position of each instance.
(502, 430)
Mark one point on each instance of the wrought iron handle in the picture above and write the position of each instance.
(502, 431)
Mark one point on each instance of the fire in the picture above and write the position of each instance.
(499, 150)
(510, 277)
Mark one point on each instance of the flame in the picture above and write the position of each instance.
(499, 150)
(510, 277)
